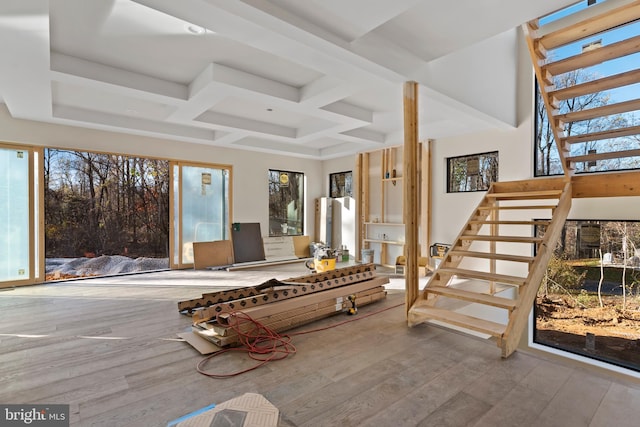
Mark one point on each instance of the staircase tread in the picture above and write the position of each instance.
(610, 82)
(594, 57)
(605, 156)
(591, 26)
(486, 299)
(528, 207)
(523, 195)
(497, 256)
(606, 134)
(482, 275)
(510, 222)
(514, 239)
(458, 319)
(605, 110)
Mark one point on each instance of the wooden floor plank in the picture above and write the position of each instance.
(373, 371)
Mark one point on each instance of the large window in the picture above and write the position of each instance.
(109, 213)
(589, 301)
(15, 225)
(546, 152)
(286, 203)
(475, 172)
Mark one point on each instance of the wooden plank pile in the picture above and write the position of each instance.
(282, 305)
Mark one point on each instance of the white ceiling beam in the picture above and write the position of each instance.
(325, 90)
(363, 135)
(73, 70)
(248, 82)
(377, 12)
(131, 124)
(24, 49)
(340, 150)
(229, 122)
(349, 110)
(278, 147)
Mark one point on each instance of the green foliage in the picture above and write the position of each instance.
(586, 299)
(105, 204)
(561, 275)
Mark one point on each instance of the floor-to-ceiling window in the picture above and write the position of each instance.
(201, 208)
(19, 205)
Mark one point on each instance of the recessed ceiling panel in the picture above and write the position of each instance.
(253, 110)
(133, 37)
(88, 98)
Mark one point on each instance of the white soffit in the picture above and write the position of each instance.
(314, 79)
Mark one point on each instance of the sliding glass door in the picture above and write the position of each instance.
(19, 251)
(200, 208)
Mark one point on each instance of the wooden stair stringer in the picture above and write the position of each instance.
(597, 19)
(428, 308)
(519, 316)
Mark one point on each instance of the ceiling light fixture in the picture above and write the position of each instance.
(194, 29)
(269, 109)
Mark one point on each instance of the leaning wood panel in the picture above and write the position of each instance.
(212, 254)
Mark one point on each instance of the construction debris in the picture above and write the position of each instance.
(281, 305)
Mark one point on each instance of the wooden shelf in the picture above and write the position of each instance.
(389, 242)
(385, 223)
(397, 178)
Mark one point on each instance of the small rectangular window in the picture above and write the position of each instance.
(340, 184)
(474, 172)
(286, 203)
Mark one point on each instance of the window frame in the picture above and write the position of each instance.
(300, 223)
(450, 165)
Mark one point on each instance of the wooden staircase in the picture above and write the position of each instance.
(592, 145)
(488, 280)
(496, 263)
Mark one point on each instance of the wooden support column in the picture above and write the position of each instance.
(426, 190)
(410, 193)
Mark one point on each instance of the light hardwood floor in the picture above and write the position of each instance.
(107, 348)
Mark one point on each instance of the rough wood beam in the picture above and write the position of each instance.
(410, 192)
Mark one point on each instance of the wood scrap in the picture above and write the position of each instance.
(282, 321)
(286, 291)
(346, 275)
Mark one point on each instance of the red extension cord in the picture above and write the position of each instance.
(263, 344)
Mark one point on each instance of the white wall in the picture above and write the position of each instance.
(250, 177)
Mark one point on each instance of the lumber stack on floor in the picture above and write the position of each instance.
(282, 305)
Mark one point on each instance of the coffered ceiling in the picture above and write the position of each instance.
(313, 78)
